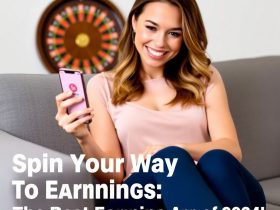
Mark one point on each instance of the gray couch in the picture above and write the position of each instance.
(27, 126)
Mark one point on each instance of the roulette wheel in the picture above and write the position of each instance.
(79, 34)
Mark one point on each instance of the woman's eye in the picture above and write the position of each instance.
(175, 34)
(151, 28)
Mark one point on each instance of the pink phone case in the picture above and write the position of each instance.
(72, 80)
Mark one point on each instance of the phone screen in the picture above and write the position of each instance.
(72, 80)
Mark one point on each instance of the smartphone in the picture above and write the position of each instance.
(72, 80)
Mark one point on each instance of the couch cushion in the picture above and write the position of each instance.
(272, 207)
(254, 97)
(271, 188)
(11, 146)
(28, 110)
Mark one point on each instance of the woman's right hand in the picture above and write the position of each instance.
(70, 122)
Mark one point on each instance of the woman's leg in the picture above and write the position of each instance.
(131, 203)
(231, 182)
(185, 189)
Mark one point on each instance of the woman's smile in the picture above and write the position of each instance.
(156, 54)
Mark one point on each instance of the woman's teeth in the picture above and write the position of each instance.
(156, 53)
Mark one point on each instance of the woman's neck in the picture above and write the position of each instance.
(147, 74)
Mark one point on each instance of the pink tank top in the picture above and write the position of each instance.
(137, 126)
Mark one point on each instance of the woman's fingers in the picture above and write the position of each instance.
(71, 101)
(70, 128)
(75, 115)
(73, 123)
(151, 150)
(147, 152)
(63, 101)
(59, 99)
(68, 119)
(62, 96)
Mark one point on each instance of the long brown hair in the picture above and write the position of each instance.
(188, 72)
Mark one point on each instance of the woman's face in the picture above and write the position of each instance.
(158, 36)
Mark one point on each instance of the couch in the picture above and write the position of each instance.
(28, 127)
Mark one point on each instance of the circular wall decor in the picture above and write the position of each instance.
(79, 34)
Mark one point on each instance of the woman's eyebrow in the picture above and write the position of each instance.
(154, 23)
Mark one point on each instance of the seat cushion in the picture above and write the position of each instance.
(11, 146)
(272, 207)
(271, 189)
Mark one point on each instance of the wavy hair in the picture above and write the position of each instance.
(188, 71)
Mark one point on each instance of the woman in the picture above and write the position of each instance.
(165, 99)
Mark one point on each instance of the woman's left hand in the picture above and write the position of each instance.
(152, 149)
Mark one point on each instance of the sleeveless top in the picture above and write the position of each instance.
(138, 126)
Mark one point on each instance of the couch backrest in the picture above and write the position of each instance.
(27, 110)
(253, 90)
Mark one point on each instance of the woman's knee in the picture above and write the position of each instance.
(217, 155)
(172, 152)
(181, 161)
(217, 160)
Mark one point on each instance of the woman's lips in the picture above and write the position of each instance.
(156, 53)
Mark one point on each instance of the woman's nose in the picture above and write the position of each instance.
(160, 40)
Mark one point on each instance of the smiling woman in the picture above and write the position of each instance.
(164, 100)
(157, 39)
(165, 36)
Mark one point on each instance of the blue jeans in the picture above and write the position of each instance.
(217, 180)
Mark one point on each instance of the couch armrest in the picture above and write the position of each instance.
(10, 146)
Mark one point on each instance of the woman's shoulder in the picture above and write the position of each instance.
(213, 70)
(102, 79)
(109, 76)
(214, 78)
(101, 84)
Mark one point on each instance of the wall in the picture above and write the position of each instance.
(241, 28)
(236, 29)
